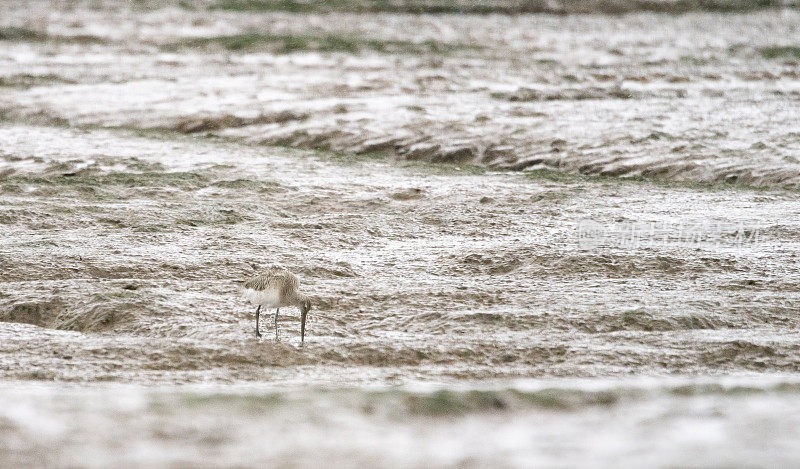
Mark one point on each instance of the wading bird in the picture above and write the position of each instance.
(276, 288)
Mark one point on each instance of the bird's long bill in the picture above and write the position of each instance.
(303, 326)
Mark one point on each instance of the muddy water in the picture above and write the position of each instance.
(699, 96)
(566, 423)
(120, 260)
(127, 249)
(414, 194)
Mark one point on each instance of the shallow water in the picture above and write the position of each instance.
(701, 96)
(563, 423)
(416, 271)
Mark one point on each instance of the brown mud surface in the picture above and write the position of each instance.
(122, 257)
(701, 96)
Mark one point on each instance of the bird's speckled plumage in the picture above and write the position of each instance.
(276, 287)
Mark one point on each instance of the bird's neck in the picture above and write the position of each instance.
(297, 299)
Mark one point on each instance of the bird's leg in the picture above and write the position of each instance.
(258, 312)
(303, 326)
(276, 323)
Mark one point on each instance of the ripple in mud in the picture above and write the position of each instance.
(589, 263)
(338, 270)
(492, 264)
(749, 355)
(408, 194)
(37, 313)
(615, 265)
(100, 317)
(196, 124)
(55, 314)
(638, 320)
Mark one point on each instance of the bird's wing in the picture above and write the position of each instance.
(274, 277)
(259, 282)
